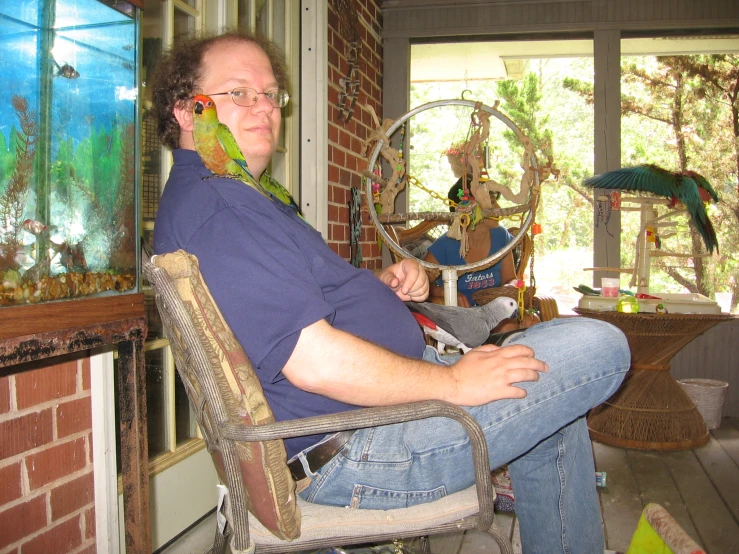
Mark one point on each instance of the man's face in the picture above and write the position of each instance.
(256, 128)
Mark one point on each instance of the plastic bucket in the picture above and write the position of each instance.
(708, 395)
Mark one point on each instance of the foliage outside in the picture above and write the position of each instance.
(678, 112)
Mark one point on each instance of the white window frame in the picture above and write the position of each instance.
(314, 122)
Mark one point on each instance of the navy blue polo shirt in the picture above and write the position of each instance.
(272, 275)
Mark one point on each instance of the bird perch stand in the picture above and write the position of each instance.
(650, 221)
(648, 217)
(449, 277)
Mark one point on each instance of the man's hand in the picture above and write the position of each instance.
(408, 279)
(488, 373)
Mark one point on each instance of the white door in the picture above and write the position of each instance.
(182, 477)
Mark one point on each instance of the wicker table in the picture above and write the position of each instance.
(650, 410)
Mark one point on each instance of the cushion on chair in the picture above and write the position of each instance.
(324, 522)
(266, 478)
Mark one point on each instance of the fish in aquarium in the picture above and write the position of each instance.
(37, 228)
(65, 70)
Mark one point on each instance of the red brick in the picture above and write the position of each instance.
(352, 127)
(4, 395)
(344, 180)
(356, 146)
(10, 483)
(92, 549)
(333, 57)
(333, 212)
(333, 134)
(46, 383)
(90, 523)
(25, 432)
(72, 496)
(55, 462)
(333, 96)
(333, 173)
(59, 539)
(73, 417)
(86, 373)
(333, 18)
(22, 520)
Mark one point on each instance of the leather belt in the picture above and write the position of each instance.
(318, 456)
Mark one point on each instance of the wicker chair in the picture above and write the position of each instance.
(258, 510)
(416, 240)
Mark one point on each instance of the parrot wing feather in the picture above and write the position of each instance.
(275, 188)
(231, 147)
(689, 195)
(646, 178)
(684, 187)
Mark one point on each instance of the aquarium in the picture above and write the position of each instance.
(68, 149)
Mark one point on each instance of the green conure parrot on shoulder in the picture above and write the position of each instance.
(221, 154)
(685, 187)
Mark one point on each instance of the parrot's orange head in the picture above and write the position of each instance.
(202, 102)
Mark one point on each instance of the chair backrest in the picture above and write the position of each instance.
(416, 239)
(223, 388)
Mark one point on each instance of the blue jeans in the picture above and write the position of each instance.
(543, 437)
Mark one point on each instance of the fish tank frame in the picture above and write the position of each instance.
(69, 164)
(101, 305)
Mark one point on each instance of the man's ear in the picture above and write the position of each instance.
(183, 113)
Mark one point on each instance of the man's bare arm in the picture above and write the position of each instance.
(338, 365)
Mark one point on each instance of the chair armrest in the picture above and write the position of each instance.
(386, 415)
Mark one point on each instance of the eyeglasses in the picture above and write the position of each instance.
(246, 97)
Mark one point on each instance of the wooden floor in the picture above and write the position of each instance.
(699, 488)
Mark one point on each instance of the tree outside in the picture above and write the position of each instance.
(679, 112)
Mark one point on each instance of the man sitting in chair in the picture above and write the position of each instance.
(326, 337)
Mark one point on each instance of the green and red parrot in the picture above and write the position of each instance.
(221, 153)
(685, 187)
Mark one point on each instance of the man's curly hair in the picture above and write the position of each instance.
(179, 72)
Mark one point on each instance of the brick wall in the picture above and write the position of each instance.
(346, 139)
(46, 478)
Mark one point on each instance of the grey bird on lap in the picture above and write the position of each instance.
(463, 328)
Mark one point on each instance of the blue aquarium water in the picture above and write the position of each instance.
(68, 144)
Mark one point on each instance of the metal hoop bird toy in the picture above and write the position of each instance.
(385, 190)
